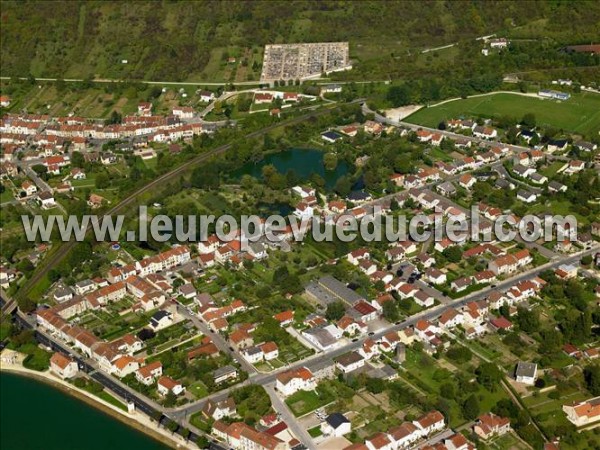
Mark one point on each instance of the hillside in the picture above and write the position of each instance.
(184, 40)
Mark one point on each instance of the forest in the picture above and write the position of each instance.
(180, 40)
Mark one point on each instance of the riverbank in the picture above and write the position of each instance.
(134, 420)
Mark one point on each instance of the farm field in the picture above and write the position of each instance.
(580, 114)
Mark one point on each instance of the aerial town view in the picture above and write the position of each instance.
(290, 225)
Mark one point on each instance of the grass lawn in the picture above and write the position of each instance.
(303, 402)
(198, 389)
(559, 207)
(509, 440)
(581, 113)
(551, 170)
(489, 353)
(315, 432)
(112, 400)
(40, 288)
(439, 155)
(420, 369)
(6, 196)
(199, 422)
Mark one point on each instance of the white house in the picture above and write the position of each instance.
(583, 413)
(526, 196)
(166, 384)
(124, 365)
(148, 373)
(292, 381)
(304, 211)
(63, 366)
(161, 319)
(207, 96)
(183, 112)
(526, 373)
(336, 425)
(431, 422)
(217, 410)
(349, 362)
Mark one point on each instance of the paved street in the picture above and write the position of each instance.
(426, 315)
(217, 339)
(288, 417)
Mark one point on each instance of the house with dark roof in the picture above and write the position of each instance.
(336, 425)
(526, 373)
(161, 319)
(224, 373)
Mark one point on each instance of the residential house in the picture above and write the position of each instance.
(167, 384)
(63, 366)
(349, 362)
(292, 381)
(336, 425)
(216, 410)
(490, 425)
(526, 373)
(583, 413)
(148, 373)
(224, 373)
(430, 423)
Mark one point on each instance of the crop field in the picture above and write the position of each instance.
(580, 114)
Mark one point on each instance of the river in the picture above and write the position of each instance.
(36, 416)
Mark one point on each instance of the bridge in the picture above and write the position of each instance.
(9, 305)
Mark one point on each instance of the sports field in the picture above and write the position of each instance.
(580, 114)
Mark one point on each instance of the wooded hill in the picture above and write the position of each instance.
(184, 40)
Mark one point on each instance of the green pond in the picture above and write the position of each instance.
(304, 162)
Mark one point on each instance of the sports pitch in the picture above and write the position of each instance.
(579, 114)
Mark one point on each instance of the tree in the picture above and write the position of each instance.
(489, 375)
(206, 177)
(528, 120)
(448, 390)
(470, 407)
(551, 341)
(375, 385)
(40, 169)
(390, 311)
(459, 354)
(527, 319)
(591, 375)
(335, 310)
(399, 95)
(115, 118)
(453, 254)
(171, 425)
(343, 186)
(330, 161)
(102, 180)
(202, 441)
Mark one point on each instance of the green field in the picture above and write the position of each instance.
(581, 113)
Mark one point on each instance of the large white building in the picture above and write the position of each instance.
(292, 381)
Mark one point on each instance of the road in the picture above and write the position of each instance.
(167, 83)
(414, 127)
(181, 414)
(289, 418)
(142, 404)
(217, 339)
(123, 206)
(430, 314)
